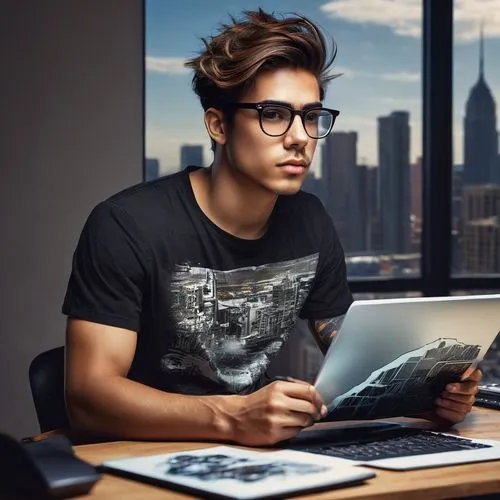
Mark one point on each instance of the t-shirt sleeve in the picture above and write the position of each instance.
(109, 270)
(330, 295)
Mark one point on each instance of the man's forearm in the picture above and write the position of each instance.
(121, 408)
(325, 330)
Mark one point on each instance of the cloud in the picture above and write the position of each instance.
(404, 17)
(397, 101)
(356, 122)
(166, 65)
(343, 72)
(402, 76)
(469, 14)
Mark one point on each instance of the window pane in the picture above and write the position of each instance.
(368, 171)
(476, 170)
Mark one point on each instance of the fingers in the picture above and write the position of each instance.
(463, 403)
(451, 416)
(303, 391)
(468, 387)
(454, 406)
(303, 406)
(474, 374)
(301, 420)
(290, 420)
(458, 397)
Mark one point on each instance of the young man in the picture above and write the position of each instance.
(183, 290)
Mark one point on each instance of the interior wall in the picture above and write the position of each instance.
(71, 114)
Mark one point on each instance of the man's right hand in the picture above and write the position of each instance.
(276, 412)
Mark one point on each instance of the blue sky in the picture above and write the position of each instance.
(379, 54)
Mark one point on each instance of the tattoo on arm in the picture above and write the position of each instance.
(325, 330)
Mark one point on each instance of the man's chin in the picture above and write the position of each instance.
(287, 188)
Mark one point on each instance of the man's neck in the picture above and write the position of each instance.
(232, 201)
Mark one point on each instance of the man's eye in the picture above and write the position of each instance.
(273, 114)
(312, 116)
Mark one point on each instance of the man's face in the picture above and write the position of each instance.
(274, 162)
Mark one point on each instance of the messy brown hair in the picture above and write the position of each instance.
(231, 61)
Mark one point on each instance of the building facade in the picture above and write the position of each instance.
(394, 181)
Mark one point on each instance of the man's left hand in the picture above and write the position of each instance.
(456, 401)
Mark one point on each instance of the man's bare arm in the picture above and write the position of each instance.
(325, 330)
(103, 402)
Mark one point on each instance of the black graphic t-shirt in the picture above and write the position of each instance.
(211, 310)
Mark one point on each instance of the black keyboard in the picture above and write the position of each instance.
(401, 443)
(489, 396)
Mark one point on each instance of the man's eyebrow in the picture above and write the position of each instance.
(309, 105)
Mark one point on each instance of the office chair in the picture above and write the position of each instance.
(46, 376)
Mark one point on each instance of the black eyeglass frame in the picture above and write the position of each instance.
(260, 107)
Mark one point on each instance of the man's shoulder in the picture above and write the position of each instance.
(148, 207)
(148, 195)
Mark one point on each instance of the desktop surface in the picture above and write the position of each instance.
(436, 483)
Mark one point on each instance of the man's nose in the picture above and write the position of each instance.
(297, 132)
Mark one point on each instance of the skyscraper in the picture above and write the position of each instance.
(481, 229)
(482, 240)
(151, 169)
(368, 205)
(312, 185)
(416, 188)
(394, 181)
(341, 188)
(191, 154)
(481, 164)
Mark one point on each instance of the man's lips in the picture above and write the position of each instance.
(294, 167)
(296, 163)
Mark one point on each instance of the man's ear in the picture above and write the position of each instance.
(216, 126)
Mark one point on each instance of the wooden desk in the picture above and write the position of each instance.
(439, 483)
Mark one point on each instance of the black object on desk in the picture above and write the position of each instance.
(489, 396)
(389, 443)
(46, 469)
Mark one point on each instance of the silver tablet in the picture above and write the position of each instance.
(392, 357)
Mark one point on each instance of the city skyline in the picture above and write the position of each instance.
(367, 58)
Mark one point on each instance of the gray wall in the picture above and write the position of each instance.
(71, 114)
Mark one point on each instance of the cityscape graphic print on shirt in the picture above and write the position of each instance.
(231, 324)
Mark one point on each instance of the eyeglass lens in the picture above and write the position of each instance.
(275, 121)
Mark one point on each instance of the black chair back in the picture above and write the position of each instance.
(46, 376)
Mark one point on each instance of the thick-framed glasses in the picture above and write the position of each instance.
(276, 119)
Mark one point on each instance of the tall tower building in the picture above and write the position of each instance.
(339, 173)
(191, 154)
(481, 243)
(481, 236)
(416, 188)
(481, 164)
(480, 202)
(394, 181)
(151, 169)
(368, 204)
